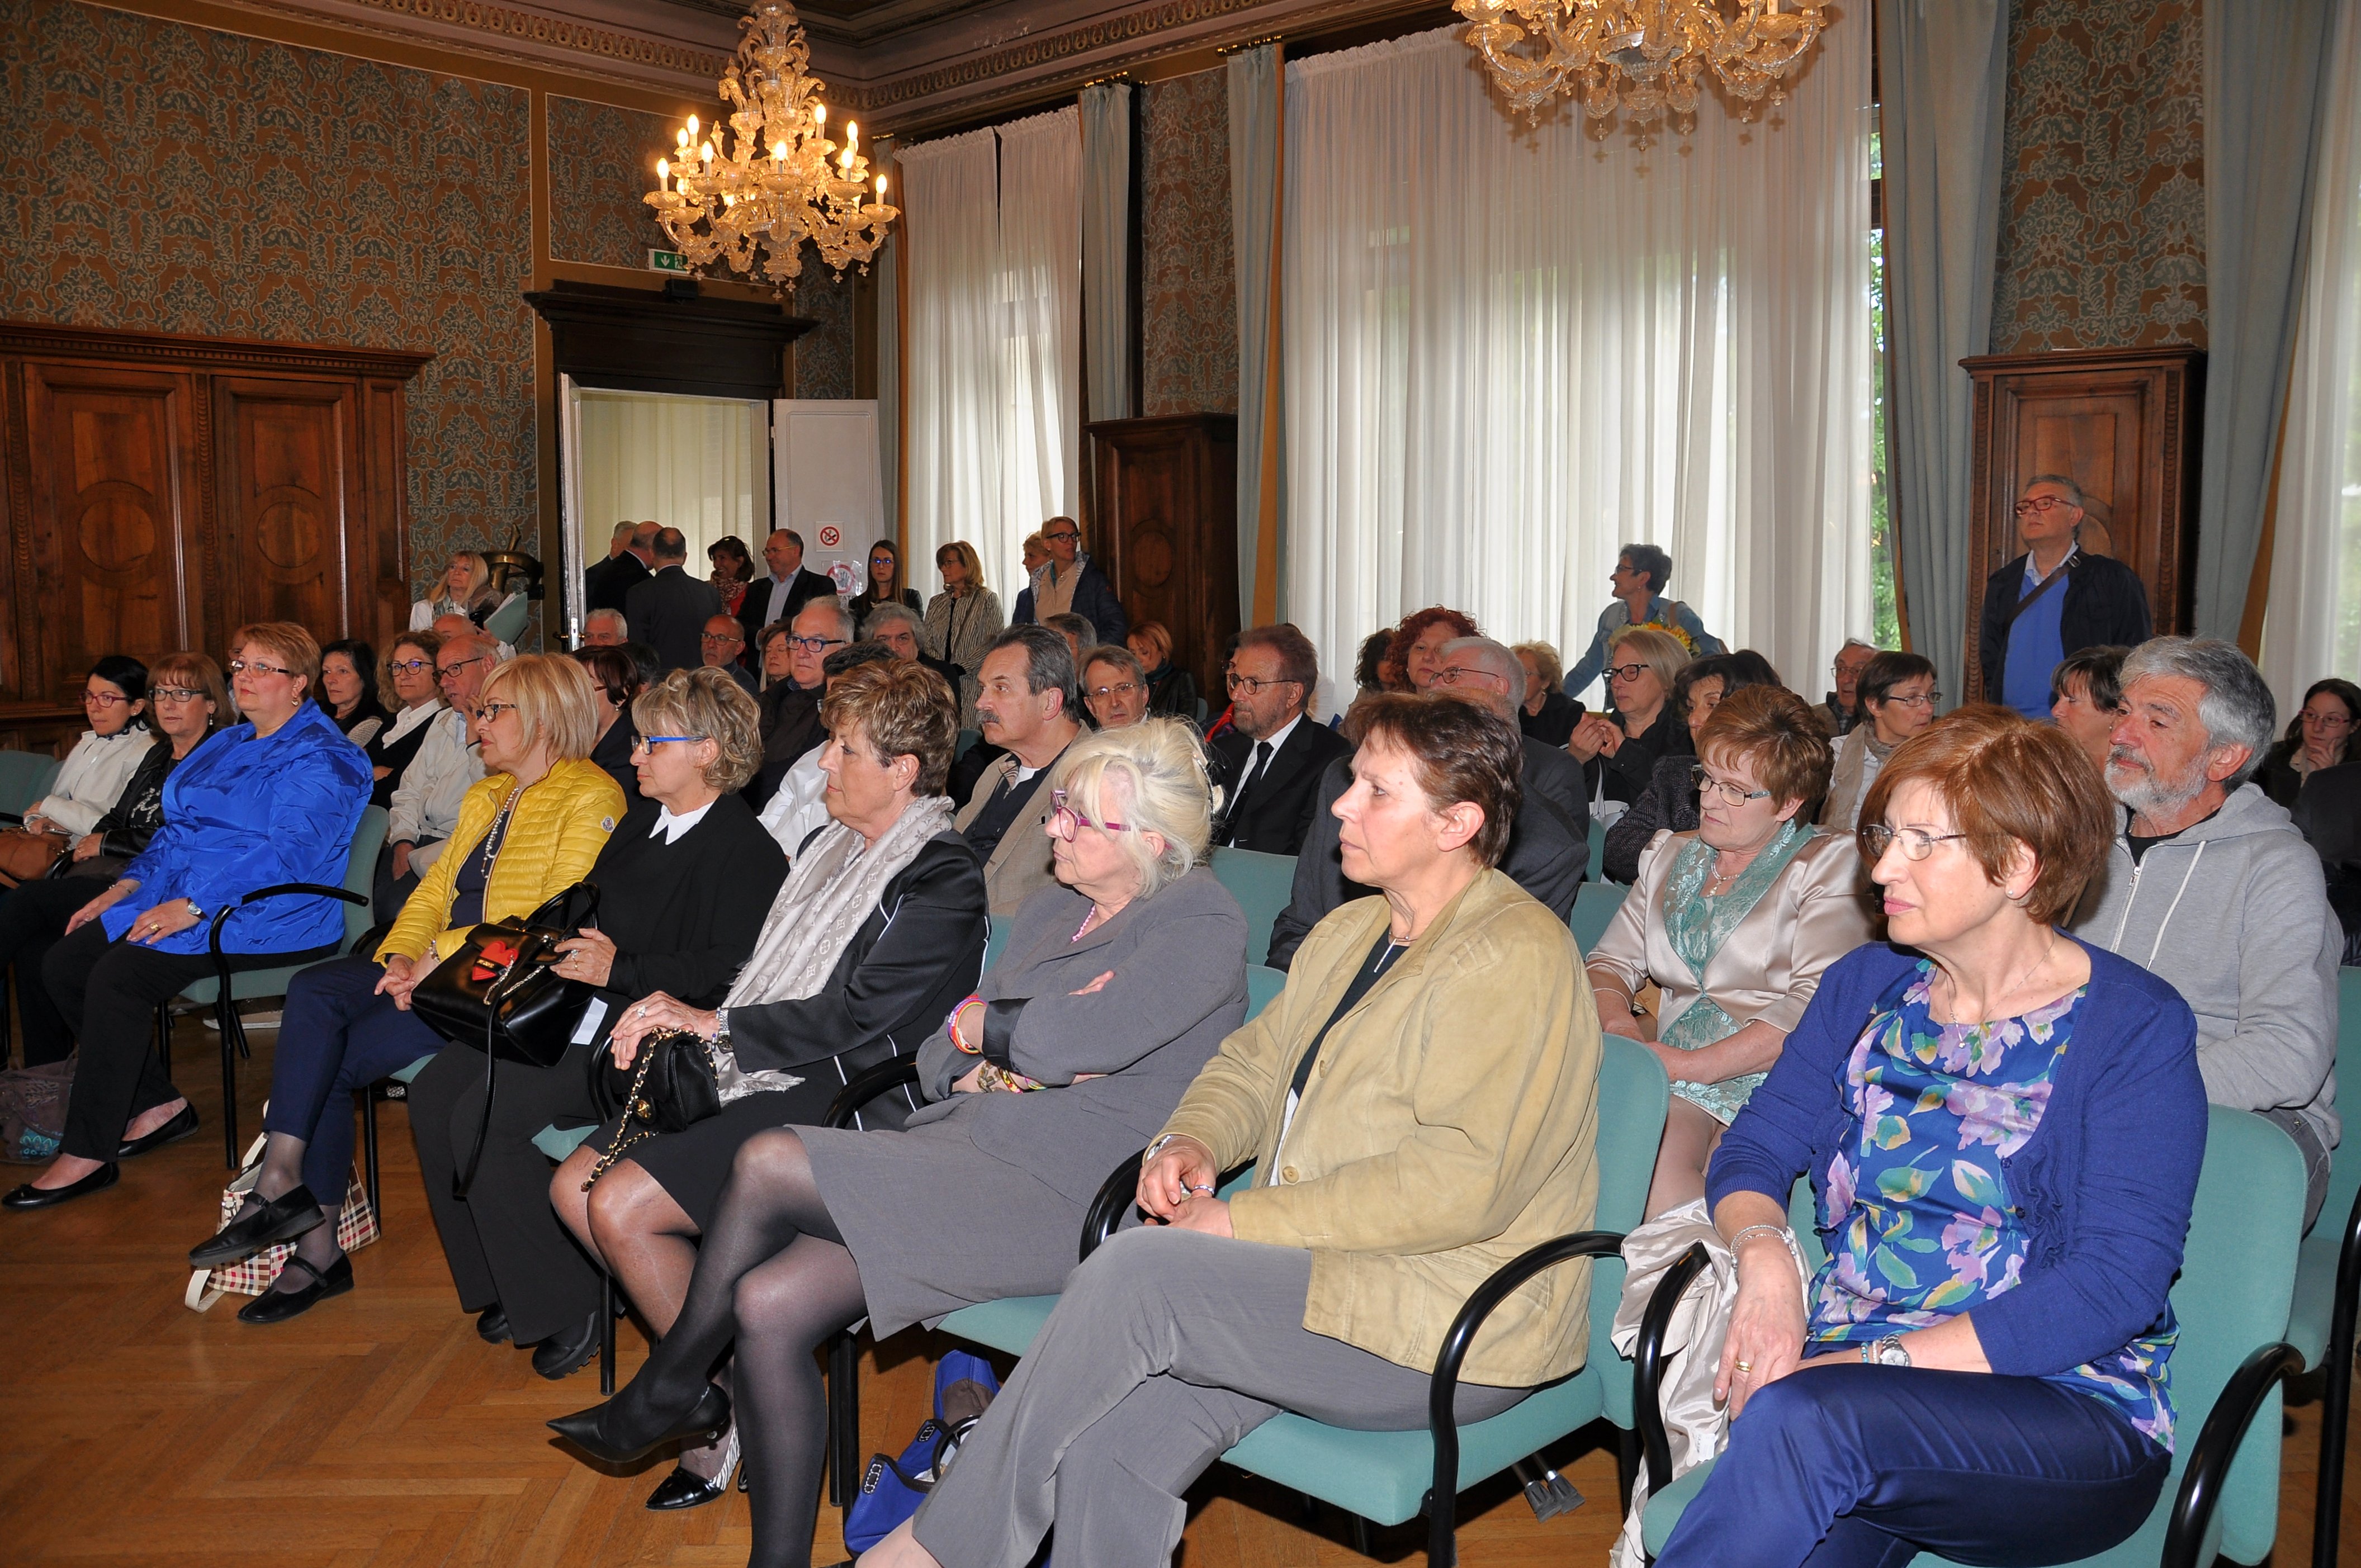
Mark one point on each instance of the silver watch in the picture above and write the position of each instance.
(196, 910)
(1886, 1352)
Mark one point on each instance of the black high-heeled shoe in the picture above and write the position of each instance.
(607, 1431)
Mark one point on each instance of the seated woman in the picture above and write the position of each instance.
(2004, 1127)
(1421, 1102)
(1642, 664)
(465, 589)
(1735, 921)
(1897, 697)
(115, 699)
(410, 676)
(1671, 799)
(1115, 988)
(185, 697)
(530, 827)
(2318, 738)
(1171, 690)
(683, 882)
(615, 683)
(272, 800)
(877, 934)
(1545, 712)
(348, 689)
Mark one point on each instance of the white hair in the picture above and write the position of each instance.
(623, 627)
(1164, 788)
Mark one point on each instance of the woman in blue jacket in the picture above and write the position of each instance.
(2003, 1128)
(272, 800)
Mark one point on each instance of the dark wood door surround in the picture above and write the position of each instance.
(1164, 531)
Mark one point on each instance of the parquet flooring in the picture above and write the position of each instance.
(378, 1430)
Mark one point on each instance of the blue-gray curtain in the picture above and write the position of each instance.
(2265, 67)
(1943, 67)
(1254, 82)
(1107, 251)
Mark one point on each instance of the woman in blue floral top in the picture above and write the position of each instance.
(2003, 1128)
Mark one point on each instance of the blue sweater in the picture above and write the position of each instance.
(2105, 1182)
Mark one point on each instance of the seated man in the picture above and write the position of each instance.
(425, 808)
(899, 627)
(605, 629)
(1078, 632)
(1490, 672)
(722, 641)
(2209, 886)
(1114, 687)
(791, 724)
(1270, 760)
(1027, 707)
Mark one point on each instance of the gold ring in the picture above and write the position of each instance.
(1746, 1367)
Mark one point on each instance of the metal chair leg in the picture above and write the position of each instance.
(606, 1332)
(843, 1420)
(233, 1042)
(2336, 1402)
(164, 1035)
(368, 1154)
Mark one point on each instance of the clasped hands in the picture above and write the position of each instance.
(967, 1024)
(1595, 734)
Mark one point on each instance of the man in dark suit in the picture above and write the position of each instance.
(783, 595)
(668, 611)
(790, 705)
(2053, 601)
(608, 584)
(723, 642)
(1269, 762)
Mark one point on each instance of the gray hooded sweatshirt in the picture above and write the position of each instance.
(2232, 913)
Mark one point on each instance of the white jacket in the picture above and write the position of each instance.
(426, 802)
(798, 804)
(94, 776)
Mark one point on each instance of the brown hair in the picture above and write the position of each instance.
(1413, 627)
(1460, 751)
(1772, 729)
(191, 671)
(1298, 660)
(2008, 782)
(705, 702)
(286, 641)
(613, 670)
(428, 642)
(906, 710)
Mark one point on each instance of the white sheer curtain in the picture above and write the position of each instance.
(1509, 350)
(994, 343)
(700, 465)
(2313, 626)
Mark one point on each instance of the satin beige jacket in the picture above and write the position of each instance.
(1814, 914)
(1451, 1123)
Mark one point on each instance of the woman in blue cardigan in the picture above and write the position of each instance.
(2003, 1128)
(272, 800)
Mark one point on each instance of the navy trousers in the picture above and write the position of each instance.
(336, 1037)
(1866, 1466)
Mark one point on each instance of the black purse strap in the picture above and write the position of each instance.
(558, 911)
(2053, 580)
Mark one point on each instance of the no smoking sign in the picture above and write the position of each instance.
(830, 536)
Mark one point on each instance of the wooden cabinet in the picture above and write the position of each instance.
(2126, 426)
(1164, 531)
(162, 491)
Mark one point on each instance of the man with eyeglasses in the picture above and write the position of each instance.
(2055, 599)
(790, 708)
(899, 627)
(799, 805)
(723, 641)
(1114, 687)
(1269, 762)
(1481, 670)
(1026, 705)
(425, 809)
(780, 595)
(1067, 582)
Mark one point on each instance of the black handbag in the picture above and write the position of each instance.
(675, 1084)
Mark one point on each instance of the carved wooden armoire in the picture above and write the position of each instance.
(2126, 425)
(1164, 531)
(162, 491)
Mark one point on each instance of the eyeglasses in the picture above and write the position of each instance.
(2041, 503)
(1121, 688)
(723, 637)
(240, 666)
(1061, 537)
(103, 700)
(1927, 700)
(2326, 721)
(1249, 684)
(1452, 674)
(1065, 819)
(174, 694)
(883, 561)
(1626, 671)
(650, 742)
(1916, 842)
(493, 710)
(1712, 788)
(814, 644)
(409, 666)
(448, 671)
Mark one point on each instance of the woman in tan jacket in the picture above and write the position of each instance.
(1422, 1106)
(1733, 922)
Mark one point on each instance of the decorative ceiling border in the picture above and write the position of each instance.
(584, 38)
(1046, 49)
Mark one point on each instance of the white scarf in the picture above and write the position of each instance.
(836, 881)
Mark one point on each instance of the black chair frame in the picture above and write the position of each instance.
(2336, 1399)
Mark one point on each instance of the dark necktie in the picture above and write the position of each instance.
(1245, 789)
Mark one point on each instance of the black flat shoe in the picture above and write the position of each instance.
(276, 1306)
(171, 1132)
(562, 1355)
(282, 1219)
(684, 1489)
(604, 1431)
(492, 1324)
(31, 1197)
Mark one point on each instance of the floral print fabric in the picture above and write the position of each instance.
(1920, 1222)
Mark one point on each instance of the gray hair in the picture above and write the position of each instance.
(893, 610)
(2237, 708)
(1648, 559)
(1160, 764)
(484, 642)
(1077, 627)
(831, 602)
(1493, 659)
(623, 627)
(1048, 661)
(1122, 658)
(2074, 497)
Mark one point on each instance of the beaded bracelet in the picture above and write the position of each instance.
(1740, 1239)
(950, 1026)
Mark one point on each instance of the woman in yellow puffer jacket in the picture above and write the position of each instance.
(530, 828)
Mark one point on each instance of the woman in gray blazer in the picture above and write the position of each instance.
(1115, 988)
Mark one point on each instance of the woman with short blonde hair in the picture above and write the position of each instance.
(707, 704)
(1641, 665)
(1151, 775)
(553, 699)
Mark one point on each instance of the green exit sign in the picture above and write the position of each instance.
(671, 261)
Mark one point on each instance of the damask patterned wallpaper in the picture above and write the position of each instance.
(2102, 216)
(173, 179)
(602, 160)
(824, 355)
(1188, 303)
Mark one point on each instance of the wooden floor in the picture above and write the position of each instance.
(378, 1430)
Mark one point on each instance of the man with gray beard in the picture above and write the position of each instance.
(2209, 886)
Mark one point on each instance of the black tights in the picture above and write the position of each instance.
(772, 1275)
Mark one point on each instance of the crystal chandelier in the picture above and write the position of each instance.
(1645, 57)
(754, 194)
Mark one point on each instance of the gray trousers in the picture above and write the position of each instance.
(1167, 1347)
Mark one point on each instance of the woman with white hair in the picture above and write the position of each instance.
(1115, 987)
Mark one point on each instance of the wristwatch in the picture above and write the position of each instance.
(197, 911)
(1886, 1352)
(720, 1035)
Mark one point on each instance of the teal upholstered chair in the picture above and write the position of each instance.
(2232, 1302)
(1598, 850)
(967, 739)
(1263, 885)
(2328, 1288)
(25, 777)
(1594, 903)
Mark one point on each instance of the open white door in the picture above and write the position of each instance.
(572, 556)
(828, 488)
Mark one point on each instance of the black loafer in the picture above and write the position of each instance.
(31, 1197)
(171, 1132)
(276, 1306)
(282, 1219)
(492, 1324)
(562, 1355)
